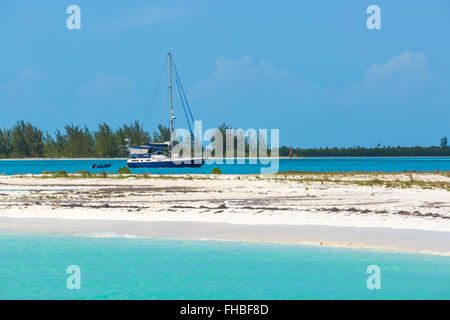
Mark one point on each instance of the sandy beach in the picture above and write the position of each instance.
(399, 211)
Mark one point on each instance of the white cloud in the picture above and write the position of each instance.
(402, 71)
(242, 74)
(401, 78)
(246, 70)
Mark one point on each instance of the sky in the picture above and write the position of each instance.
(312, 69)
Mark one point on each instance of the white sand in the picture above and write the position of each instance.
(228, 207)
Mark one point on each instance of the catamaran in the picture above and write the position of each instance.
(160, 155)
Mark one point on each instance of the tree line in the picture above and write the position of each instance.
(24, 140)
(386, 151)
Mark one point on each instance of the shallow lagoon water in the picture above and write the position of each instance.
(34, 267)
(304, 164)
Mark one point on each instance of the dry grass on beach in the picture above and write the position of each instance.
(424, 180)
(401, 194)
(287, 207)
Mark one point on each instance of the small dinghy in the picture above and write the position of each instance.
(100, 166)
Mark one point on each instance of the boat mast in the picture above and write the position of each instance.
(170, 99)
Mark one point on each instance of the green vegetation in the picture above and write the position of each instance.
(386, 151)
(368, 179)
(104, 175)
(124, 170)
(24, 140)
(106, 144)
(162, 135)
(444, 142)
(56, 174)
(216, 171)
(403, 180)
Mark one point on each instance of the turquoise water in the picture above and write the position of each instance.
(307, 164)
(34, 267)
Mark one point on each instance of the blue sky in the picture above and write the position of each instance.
(310, 68)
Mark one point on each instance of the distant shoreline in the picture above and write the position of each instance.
(293, 158)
